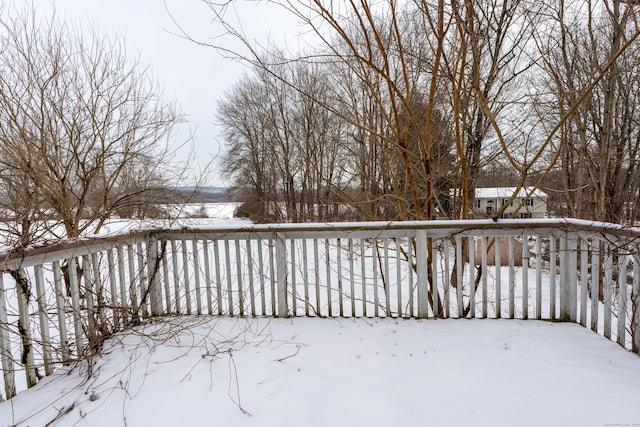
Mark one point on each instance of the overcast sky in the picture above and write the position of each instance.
(195, 76)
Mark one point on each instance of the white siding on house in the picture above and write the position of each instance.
(489, 200)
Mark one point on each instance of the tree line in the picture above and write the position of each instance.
(400, 109)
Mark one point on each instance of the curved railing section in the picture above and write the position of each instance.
(59, 303)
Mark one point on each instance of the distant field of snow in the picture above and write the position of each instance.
(334, 372)
(189, 215)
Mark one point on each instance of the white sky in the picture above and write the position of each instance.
(195, 76)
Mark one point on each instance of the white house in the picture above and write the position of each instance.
(489, 200)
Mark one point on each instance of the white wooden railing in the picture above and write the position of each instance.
(58, 303)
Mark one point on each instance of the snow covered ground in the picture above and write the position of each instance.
(342, 372)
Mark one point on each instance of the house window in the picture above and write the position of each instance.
(525, 215)
(529, 202)
(490, 204)
(476, 203)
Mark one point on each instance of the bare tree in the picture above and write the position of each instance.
(84, 135)
(283, 145)
(80, 123)
(598, 147)
(248, 160)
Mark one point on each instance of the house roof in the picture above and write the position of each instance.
(506, 192)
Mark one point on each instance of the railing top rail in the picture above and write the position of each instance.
(436, 228)
(439, 228)
(561, 223)
(37, 255)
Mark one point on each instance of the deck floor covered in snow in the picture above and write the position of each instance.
(200, 371)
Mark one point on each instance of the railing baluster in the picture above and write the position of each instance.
(497, 258)
(252, 294)
(75, 305)
(339, 267)
(459, 263)
(239, 276)
(207, 275)
(607, 294)
(100, 290)
(153, 279)
(386, 282)
(60, 306)
(525, 276)
(374, 261)
(316, 267)
(305, 275)
(433, 283)
(124, 315)
(133, 308)
(472, 279)
(166, 280)
(261, 275)
(596, 259)
(363, 273)
(87, 278)
(512, 277)
(45, 336)
(227, 261)
(412, 287)
(572, 274)
(196, 275)
(447, 279)
(352, 286)
(185, 272)
(538, 278)
(622, 300)
(398, 245)
(327, 265)
(484, 272)
(281, 258)
(564, 278)
(113, 286)
(553, 252)
(142, 273)
(8, 372)
(422, 272)
(635, 302)
(272, 274)
(216, 261)
(584, 272)
(294, 284)
(176, 276)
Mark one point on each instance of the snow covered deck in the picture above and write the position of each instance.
(201, 371)
(59, 303)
